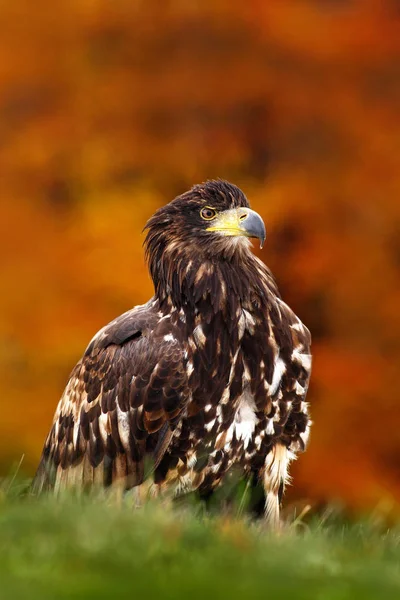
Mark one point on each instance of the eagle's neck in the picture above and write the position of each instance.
(221, 308)
(209, 285)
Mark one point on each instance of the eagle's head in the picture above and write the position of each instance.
(209, 224)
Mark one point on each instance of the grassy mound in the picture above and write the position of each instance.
(96, 548)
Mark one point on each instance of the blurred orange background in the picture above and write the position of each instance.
(110, 109)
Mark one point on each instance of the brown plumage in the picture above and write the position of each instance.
(213, 371)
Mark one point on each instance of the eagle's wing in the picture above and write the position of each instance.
(123, 399)
(296, 371)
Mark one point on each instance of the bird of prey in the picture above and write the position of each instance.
(211, 372)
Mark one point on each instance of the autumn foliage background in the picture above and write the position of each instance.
(110, 109)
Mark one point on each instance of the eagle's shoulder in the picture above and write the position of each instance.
(126, 327)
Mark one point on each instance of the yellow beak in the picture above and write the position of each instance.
(239, 222)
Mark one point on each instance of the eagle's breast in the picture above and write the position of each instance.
(243, 395)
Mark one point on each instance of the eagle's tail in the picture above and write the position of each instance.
(117, 472)
(78, 477)
(44, 478)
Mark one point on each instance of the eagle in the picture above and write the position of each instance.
(211, 373)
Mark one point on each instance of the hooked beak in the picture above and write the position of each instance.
(240, 222)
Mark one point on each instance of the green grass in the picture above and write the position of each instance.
(95, 548)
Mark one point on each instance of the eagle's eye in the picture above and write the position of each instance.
(207, 213)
